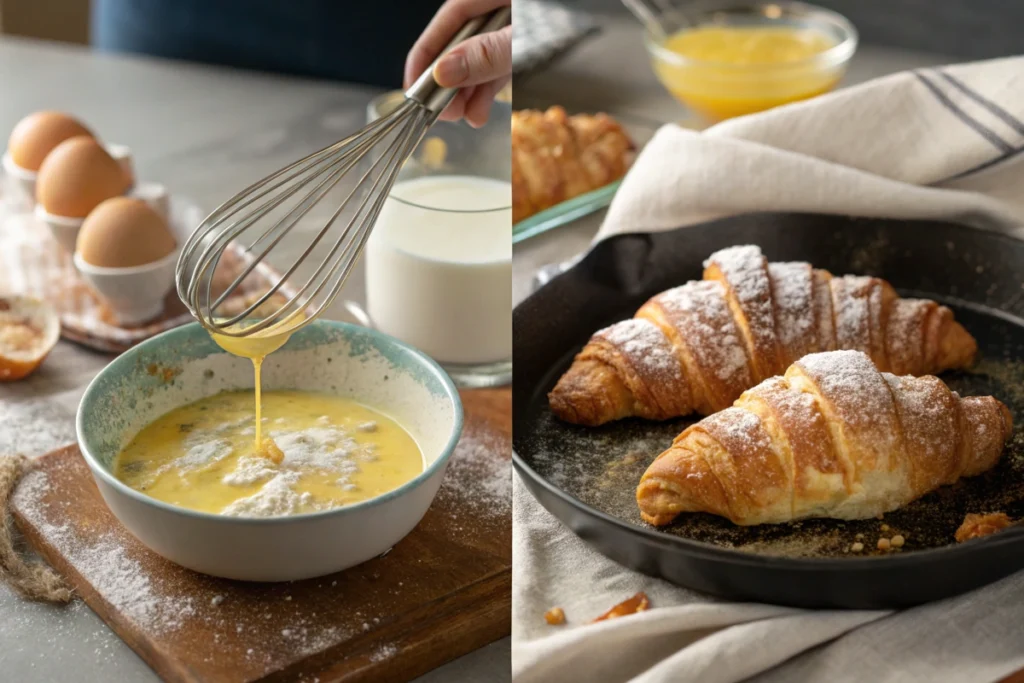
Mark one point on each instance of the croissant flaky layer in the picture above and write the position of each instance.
(697, 347)
(834, 437)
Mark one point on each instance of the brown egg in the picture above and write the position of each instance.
(123, 232)
(76, 176)
(38, 134)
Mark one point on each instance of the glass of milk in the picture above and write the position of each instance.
(439, 258)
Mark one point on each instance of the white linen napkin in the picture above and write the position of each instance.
(943, 144)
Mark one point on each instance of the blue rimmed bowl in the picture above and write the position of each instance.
(185, 365)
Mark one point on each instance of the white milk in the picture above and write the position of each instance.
(440, 278)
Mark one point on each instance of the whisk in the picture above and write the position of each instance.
(264, 214)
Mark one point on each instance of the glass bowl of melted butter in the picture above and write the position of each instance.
(725, 58)
(270, 459)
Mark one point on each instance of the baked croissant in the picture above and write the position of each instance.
(697, 347)
(556, 157)
(833, 438)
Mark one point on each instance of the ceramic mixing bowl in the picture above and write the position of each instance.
(184, 365)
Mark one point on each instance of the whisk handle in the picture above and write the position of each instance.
(425, 90)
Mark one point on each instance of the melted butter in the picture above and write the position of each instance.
(333, 451)
(748, 45)
(739, 70)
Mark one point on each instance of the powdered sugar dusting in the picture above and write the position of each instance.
(791, 292)
(645, 345)
(710, 330)
(851, 303)
(904, 334)
(740, 428)
(854, 386)
(744, 270)
(928, 424)
(842, 372)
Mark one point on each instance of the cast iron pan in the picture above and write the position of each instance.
(586, 477)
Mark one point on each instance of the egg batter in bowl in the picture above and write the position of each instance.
(334, 452)
(311, 452)
(366, 425)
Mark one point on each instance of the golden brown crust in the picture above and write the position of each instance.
(834, 438)
(556, 157)
(745, 322)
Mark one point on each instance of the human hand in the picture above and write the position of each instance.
(481, 66)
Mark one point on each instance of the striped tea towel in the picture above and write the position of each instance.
(937, 143)
(934, 143)
(544, 30)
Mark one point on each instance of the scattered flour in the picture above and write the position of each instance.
(200, 454)
(480, 474)
(277, 497)
(384, 652)
(104, 563)
(278, 628)
(324, 448)
(250, 470)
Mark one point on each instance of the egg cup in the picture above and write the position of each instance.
(135, 295)
(122, 154)
(155, 195)
(21, 181)
(63, 228)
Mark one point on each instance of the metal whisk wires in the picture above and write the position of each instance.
(361, 168)
(263, 214)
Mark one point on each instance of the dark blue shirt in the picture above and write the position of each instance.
(359, 41)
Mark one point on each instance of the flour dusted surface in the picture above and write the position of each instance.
(116, 575)
(258, 628)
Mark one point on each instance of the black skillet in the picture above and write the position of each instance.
(586, 477)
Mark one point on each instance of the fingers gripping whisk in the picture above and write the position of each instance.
(327, 202)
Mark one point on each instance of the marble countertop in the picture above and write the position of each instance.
(205, 133)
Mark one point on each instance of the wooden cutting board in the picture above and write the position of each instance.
(441, 592)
